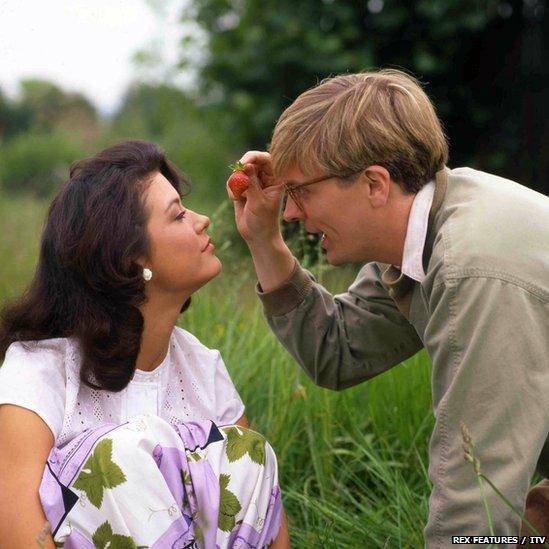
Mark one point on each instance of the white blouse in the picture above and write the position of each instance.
(192, 382)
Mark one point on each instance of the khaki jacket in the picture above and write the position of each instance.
(482, 313)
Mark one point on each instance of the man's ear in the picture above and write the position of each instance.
(378, 180)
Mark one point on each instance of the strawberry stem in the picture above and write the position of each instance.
(237, 166)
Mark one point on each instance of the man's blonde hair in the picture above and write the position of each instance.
(352, 121)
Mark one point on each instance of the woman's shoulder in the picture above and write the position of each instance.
(190, 342)
(56, 346)
(35, 376)
(192, 347)
(204, 379)
(43, 355)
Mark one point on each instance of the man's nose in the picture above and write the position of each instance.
(292, 212)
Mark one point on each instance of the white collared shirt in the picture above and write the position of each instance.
(416, 233)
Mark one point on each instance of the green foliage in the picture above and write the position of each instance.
(99, 472)
(194, 456)
(195, 138)
(44, 107)
(48, 129)
(21, 219)
(243, 441)
(41, 134)
(51, 108)
(484, 64)
(36, 163)
(13, 118)
(352, 464)
(229, 506)
(104, 538)
(265, 53)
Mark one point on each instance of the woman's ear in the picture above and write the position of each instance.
(378, 180)
(142, 262)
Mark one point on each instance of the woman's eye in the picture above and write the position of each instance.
(180, 216)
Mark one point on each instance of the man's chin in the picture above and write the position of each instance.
(334, 259)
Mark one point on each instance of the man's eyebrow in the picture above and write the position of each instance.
(172, 202)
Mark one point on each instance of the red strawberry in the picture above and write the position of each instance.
(238, 181)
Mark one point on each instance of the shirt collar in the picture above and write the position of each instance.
(412, 258)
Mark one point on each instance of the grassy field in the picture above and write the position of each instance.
(353, 465)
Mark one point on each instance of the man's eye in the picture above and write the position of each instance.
(180, 216)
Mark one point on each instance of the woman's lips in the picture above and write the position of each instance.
(209, 245)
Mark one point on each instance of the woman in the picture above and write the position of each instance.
(142, 431)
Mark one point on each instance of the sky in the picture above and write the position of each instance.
(85, 45)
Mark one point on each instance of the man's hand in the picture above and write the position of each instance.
(257, 211)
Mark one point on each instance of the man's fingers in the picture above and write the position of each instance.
(274, 191)
(262, 160)
(238, 207)
(230, 192)
(259, 196)
(259, 180)
(256, 157)
(251, 171)
(255, 186)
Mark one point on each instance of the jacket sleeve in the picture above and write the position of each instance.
(344, 339)
(489, 343)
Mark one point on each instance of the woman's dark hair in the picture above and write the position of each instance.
(87, 283)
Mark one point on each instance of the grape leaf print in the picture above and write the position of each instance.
(99, 472)
(241, 441)
(229, 505)
(104, 538)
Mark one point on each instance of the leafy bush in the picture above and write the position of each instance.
(196, 138)
(38, 163)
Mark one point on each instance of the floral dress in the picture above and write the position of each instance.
(148, 483)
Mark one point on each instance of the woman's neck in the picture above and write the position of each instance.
(159, 321)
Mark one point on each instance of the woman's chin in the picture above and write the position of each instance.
(215, 270)
(219, 268)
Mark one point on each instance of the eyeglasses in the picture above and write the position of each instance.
(292, 188)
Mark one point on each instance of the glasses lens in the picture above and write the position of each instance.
(293, 195)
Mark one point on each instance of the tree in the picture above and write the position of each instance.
(50, 108)
(196, 138)
(43, 132)
(484, 65)
(13, 118)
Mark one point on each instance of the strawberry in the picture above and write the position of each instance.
(238, 181)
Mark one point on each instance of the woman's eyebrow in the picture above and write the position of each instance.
(174, 201)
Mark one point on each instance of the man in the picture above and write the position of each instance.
(456, 261)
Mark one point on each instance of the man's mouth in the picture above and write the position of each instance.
(312, 230)
(323, 241)
(321, 234)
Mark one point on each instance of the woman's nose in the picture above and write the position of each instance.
(203, 222)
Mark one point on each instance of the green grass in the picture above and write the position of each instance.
(20, 227)
(352, 464)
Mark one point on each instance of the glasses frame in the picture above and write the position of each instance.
(291, 186)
